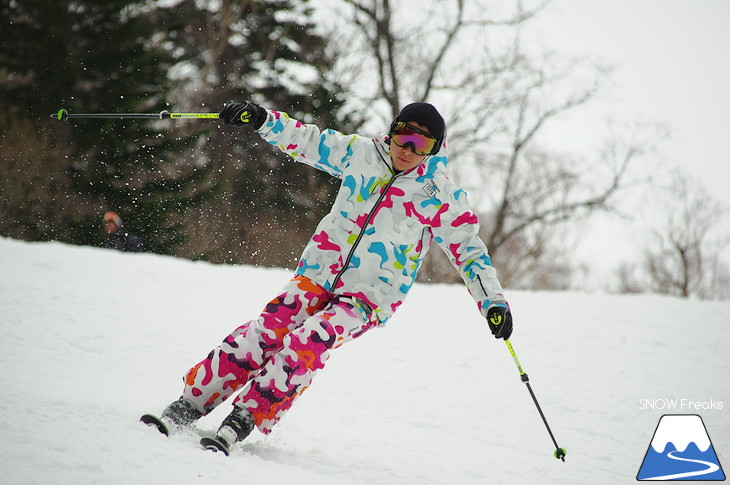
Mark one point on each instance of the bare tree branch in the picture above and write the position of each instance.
(682, 257)
(437, 61)
(501, 102)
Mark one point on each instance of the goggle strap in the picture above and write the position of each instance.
(413, 128)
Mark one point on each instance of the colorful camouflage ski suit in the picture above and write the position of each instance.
(374, 239)
(354, 272)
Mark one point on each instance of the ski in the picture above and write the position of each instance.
(215, 444)
(153, 421)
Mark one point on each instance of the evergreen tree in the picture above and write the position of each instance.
(90, 56)
(268, 52)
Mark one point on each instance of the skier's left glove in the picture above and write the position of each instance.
(243, 114)
(499, 319)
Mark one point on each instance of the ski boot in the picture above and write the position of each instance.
(178, 415)
(236, 427)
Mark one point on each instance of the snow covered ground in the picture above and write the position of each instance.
(90, 339)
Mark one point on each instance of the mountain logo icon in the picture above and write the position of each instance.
(681, 450)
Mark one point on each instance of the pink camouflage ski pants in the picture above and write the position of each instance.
(278, 353)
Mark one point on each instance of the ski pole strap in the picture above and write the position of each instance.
(523, 375)
(64, 115)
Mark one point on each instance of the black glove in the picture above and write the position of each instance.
(243, 114)
(499, 319)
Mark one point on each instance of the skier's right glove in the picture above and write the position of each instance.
(499, 319)
(243, 114)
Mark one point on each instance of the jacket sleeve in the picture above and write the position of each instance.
(328, 150)
(458, 236)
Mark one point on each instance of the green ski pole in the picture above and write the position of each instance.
(64, 115)
(559, 452)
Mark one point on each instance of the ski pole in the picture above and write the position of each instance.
(64, 115)
(559, 452)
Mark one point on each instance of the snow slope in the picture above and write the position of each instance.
(90, 339)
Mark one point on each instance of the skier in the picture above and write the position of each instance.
(355, 271)
(116, 237)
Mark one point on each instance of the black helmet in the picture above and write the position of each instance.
(427, 115)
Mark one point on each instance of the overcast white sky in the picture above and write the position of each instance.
(672, 66)
(671, 61)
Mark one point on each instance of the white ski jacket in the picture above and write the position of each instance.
(372, 243)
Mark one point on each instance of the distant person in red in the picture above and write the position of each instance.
(117, 237)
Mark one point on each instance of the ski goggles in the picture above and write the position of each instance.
(420, 141)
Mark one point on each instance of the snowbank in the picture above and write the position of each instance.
(93, 338)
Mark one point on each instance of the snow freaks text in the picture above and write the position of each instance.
(679, 404)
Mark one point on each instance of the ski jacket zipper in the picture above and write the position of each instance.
(362, 232)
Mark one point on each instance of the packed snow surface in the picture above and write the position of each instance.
(92, 338)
